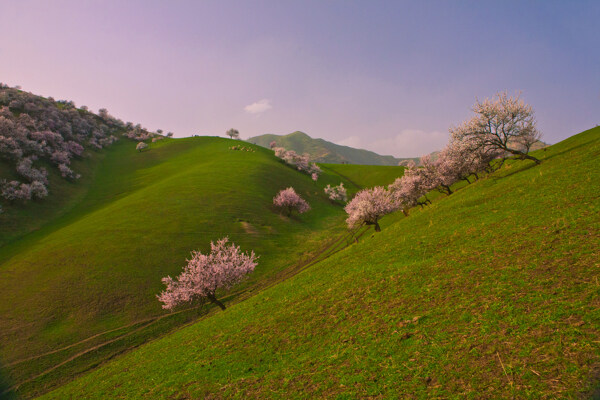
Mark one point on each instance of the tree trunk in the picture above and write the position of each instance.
(377, 227)
(446, 190)
(524, 156)
(214, 300)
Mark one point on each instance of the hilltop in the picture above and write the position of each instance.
(323, 151)
(489, 292)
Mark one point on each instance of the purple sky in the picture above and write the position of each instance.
(386, 76)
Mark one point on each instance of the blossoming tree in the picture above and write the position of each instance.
(301, 162)
(368, 206)
(204, 274)
(141, 146)
(290, 200)
(336, 192)
(502, 123)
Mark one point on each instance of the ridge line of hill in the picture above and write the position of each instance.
(323, 151)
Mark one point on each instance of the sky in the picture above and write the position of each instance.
(387, 76)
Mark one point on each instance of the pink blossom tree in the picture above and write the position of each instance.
(15, 190)
(501, 123)
(300, 161)
(204, 274)
(290, 200)
(408, 190)
(38, 189)
(67, 172)
(336, 193)
(25, 169)
(368, 206)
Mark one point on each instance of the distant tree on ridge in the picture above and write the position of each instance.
(233, 133)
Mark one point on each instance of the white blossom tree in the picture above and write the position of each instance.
(501, 123)
(336, 193)
(141, 146)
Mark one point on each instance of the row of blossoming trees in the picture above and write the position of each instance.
(501, 127)
(37, 132)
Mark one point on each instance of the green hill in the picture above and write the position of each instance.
(81, 286)
(325, 152)
(489, 293)
(361, 176)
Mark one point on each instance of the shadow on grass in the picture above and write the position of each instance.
(516, 171)
(6, 392)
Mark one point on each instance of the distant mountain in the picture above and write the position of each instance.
(326, 152)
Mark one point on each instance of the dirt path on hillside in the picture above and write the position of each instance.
(326, 251)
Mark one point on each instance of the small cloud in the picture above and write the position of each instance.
(258, 106)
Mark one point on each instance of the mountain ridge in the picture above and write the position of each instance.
(321, 150)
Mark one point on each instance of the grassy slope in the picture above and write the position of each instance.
(492, 292)
(98, 266)
(324, 151)
(361, 176)
(20, 219)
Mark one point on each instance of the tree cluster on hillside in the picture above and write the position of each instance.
(140, 134)
(301, 162)
(36, 131)
(501, 127)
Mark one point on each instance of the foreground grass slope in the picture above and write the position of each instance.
(490, 293)
(97, 267)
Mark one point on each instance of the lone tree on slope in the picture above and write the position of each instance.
(290, 200)
(204, 274)
(233, 133)
(141, 146)
(502, 123)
